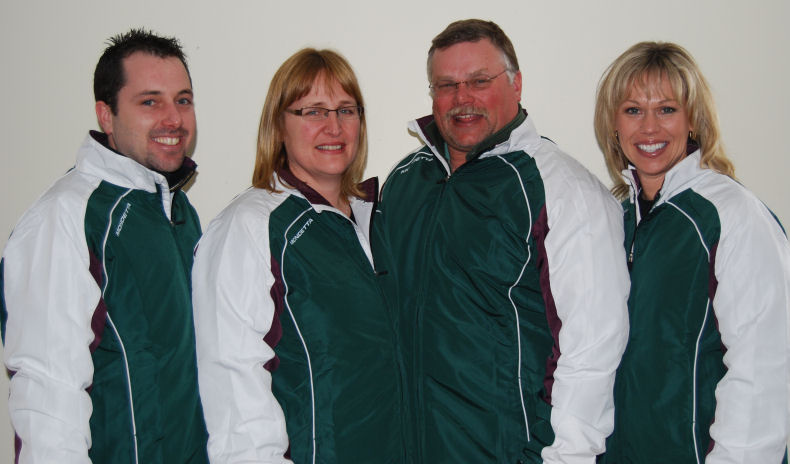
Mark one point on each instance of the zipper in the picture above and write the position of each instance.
(418, 343)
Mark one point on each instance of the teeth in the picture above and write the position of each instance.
(167, 140)
(330, 147)
(465, 116)
(653, 147)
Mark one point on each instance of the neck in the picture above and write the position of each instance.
(457, 158)
(650, 188)
(331, 191)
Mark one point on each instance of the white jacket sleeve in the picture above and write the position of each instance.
(751, 304)
(50, 297)
(231, 281)
(590, 284)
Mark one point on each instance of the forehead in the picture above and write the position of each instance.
(324, 89)
(147, 72)
(652, 86)
(465, 58)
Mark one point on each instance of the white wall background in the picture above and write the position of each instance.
(48, 50)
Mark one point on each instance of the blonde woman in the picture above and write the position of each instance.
(705, 374)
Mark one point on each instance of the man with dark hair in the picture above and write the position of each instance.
(95, 279)
(505, 256)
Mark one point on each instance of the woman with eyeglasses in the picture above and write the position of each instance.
(704, 377)
(295, 342)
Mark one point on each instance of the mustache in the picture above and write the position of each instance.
(466, 109)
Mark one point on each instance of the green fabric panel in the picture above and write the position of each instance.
(147, 262)
(341, 313)
(669, 308)
(461, 243)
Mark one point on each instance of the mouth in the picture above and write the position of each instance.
(651, 147)
(331, 147)
(466, 114)
(170, 141)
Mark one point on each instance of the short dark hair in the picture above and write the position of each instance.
(473, 30)
(109, 77)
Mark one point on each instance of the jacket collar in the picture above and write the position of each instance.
(361, 208)
(679, 178)
(518, 134)
(369, 188)
(96, 157)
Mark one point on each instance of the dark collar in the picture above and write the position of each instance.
(369, 187)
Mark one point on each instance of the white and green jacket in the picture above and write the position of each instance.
(296, 347)
(706, 372)
(512, 286)
(97, 322)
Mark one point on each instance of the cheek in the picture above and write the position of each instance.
(440, 107)
(620, 126)
(680, 129)
(353, 133)
(296, 136)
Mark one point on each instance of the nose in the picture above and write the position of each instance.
(332, 124)
(462, 94)
(650, 122)
(172, 116)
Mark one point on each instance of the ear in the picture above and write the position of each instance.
(104, 116)
(517, 84)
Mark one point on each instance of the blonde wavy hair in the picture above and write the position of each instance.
(292, 81)
(641, 65)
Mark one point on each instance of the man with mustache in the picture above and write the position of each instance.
(95, 279)
(506, 261)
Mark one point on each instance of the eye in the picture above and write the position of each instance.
(668, 110)
(480, 81)
(148, 102)
(347, 110)
(312, 111)
(445, 85)
(632, 110)
(184, 101)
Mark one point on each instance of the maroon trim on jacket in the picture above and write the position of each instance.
(539, 232)
(275, 333)
(99, 317)
(370, 188)
(312, 196)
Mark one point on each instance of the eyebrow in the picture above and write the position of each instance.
(146, 93)
(660, 102)
(323, 104)
(473, 73)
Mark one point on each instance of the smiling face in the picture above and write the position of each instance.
(319, 152)
(155, 119)
(465, 117)
(653, 129)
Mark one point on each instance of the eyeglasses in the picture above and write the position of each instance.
(316, 113)
(443, 88)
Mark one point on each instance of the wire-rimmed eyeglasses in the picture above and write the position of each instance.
(475, 83)
(316, 113)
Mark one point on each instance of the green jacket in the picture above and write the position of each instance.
(102, 345)
(511, 287)
(704, 376)
(296, 346)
